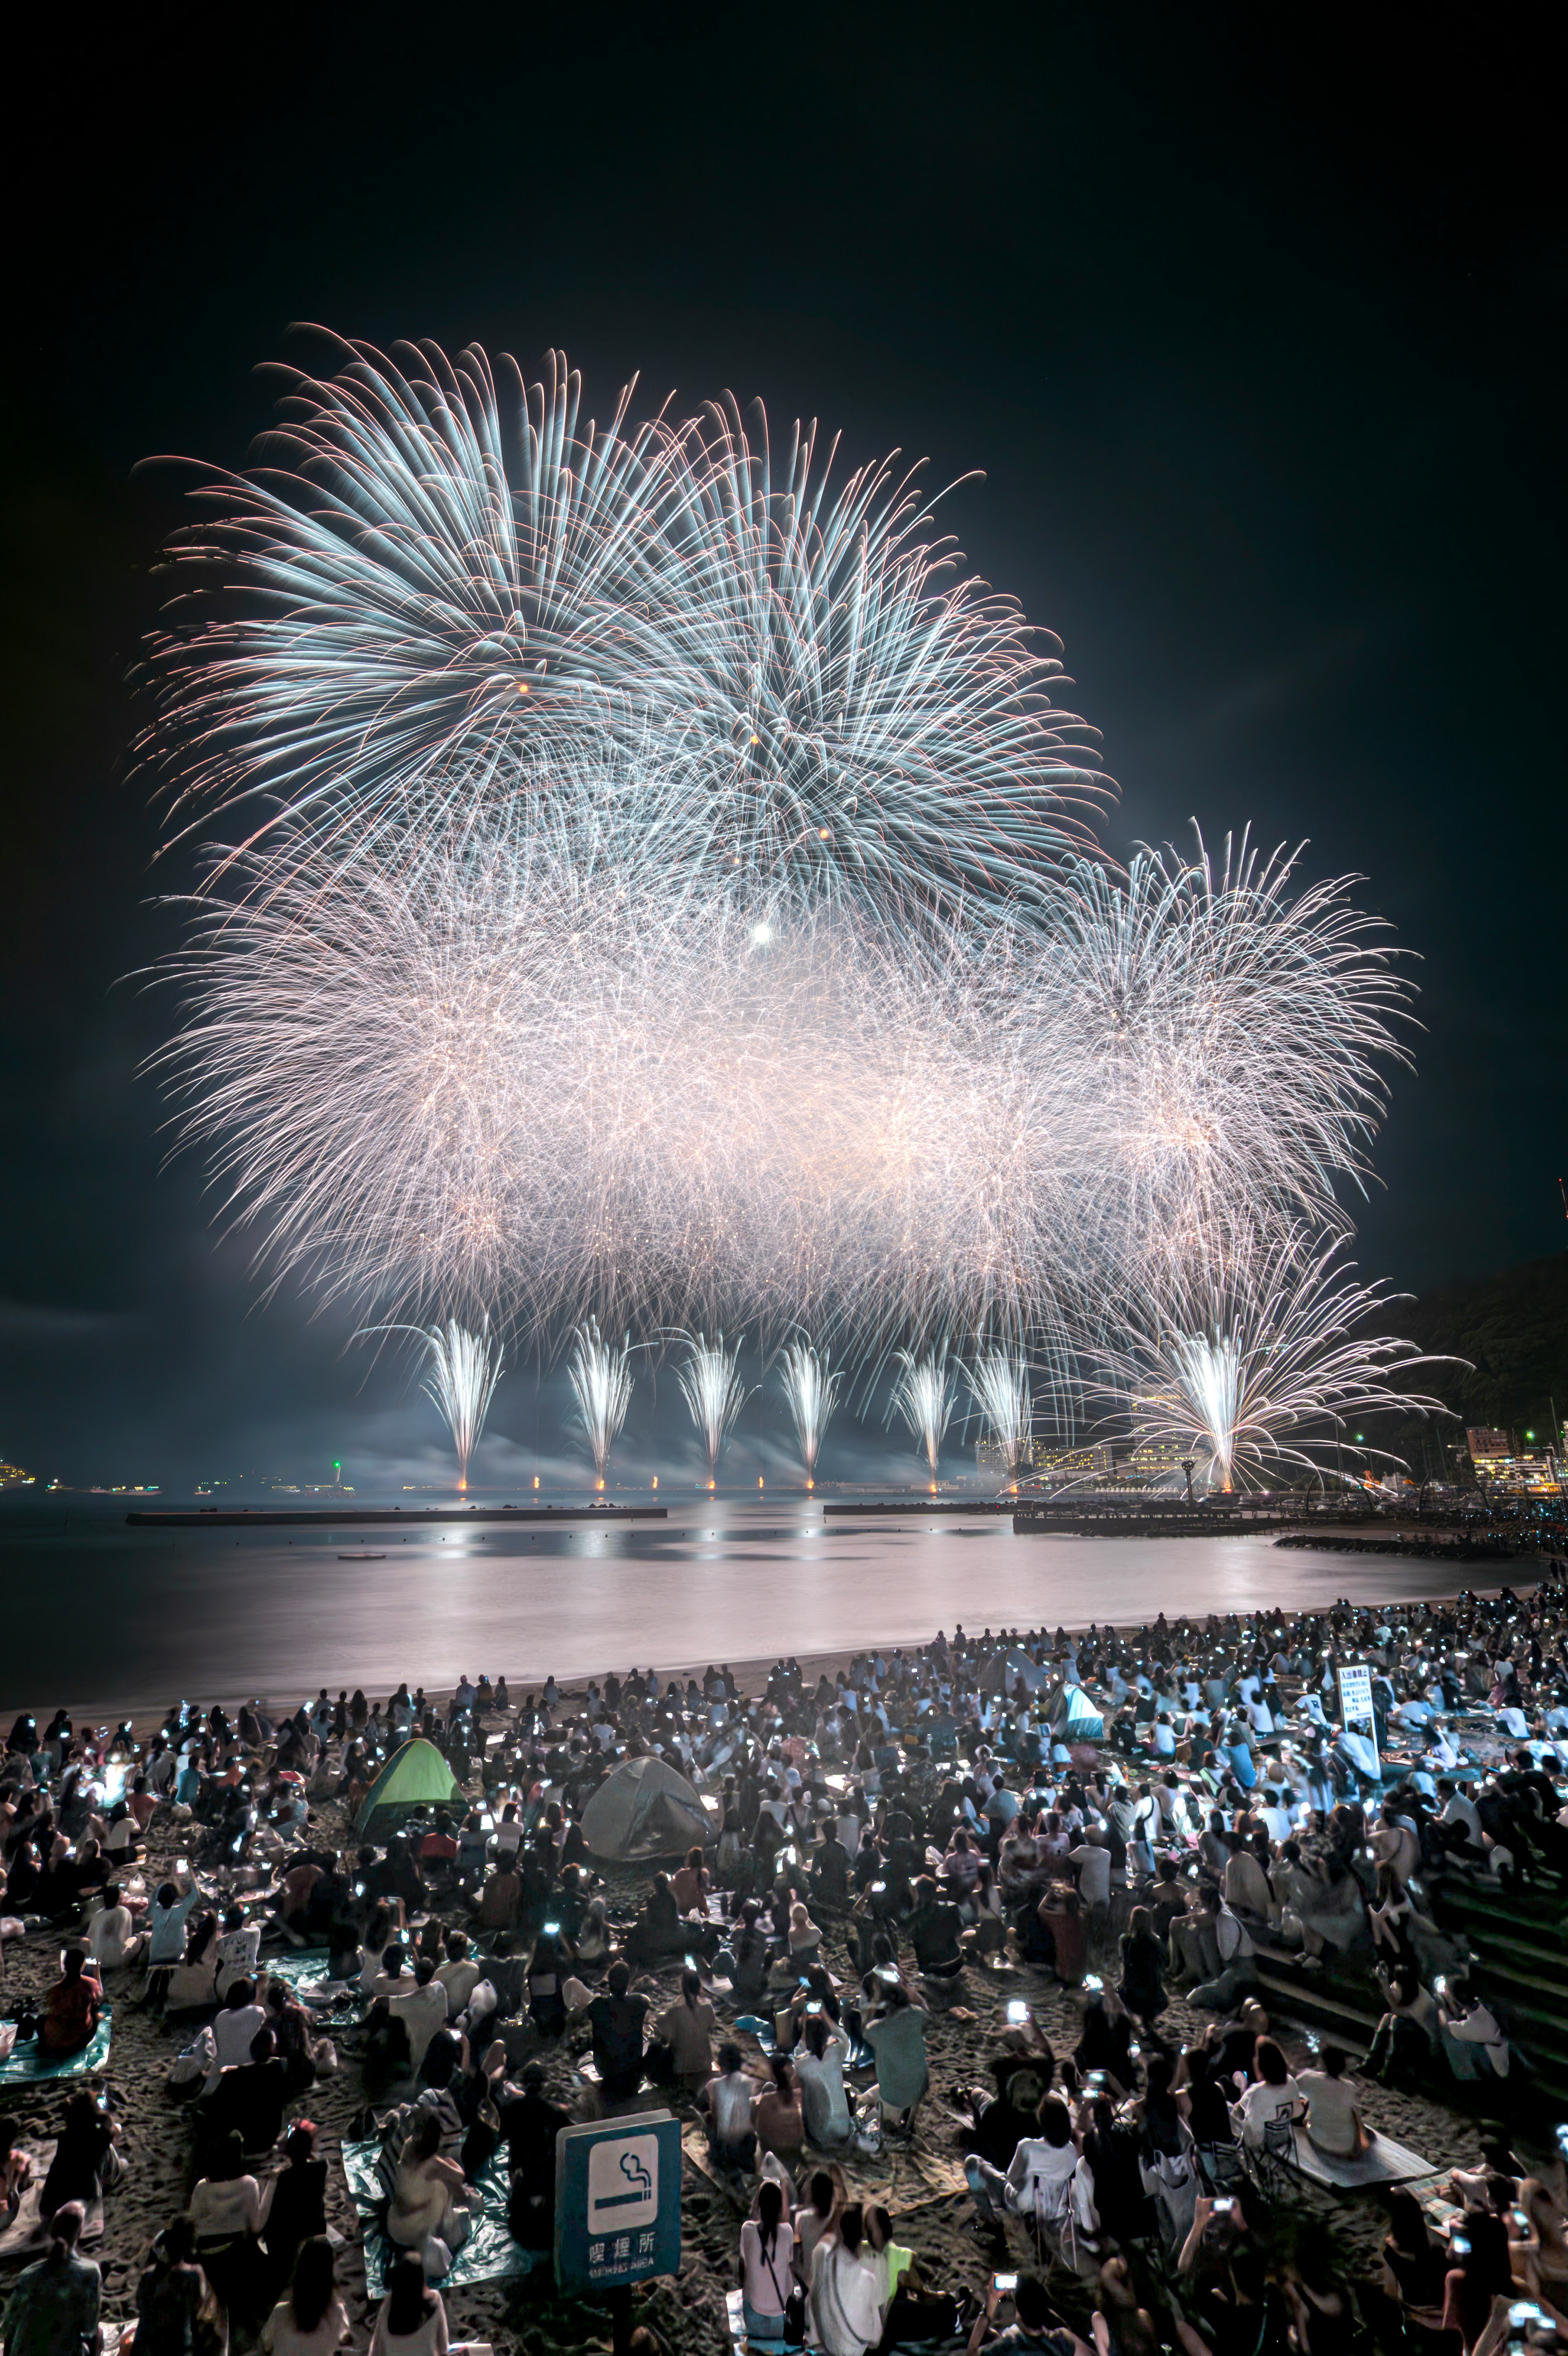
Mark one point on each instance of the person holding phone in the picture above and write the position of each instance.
(1035, 2324)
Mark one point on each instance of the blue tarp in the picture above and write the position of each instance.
(25, 2066)
(489, 2254)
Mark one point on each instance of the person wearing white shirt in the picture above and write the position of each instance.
(1092, 1859)
(422, 2008)
(1274, 2095)
(1460, 1809)
(819, 2062)
(112, 1939)
(730, 2100)
(1472, 2023)
(846, 2290)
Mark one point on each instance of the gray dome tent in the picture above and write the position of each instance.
(643, 1809)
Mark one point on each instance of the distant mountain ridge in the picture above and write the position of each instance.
(1513, 1327)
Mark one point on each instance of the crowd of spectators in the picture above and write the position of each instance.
(1133, 1816)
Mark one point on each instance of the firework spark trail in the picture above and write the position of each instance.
(498, 1065)
(711, 1386)
(664, 896)
(463, 1369)
(601, 1378)
(998, 1385)
(811, 1389)
(448, 577)
(924, 1397)
(1249, 1359)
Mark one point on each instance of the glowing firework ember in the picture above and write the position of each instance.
(998, 1385)
(924, 1395)
(812, 1391)
(601, 1380)
(1249, 1360)
(714, 1393)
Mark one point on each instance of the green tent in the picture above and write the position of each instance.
(415, 1776)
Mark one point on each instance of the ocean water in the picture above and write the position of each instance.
(107, 1619)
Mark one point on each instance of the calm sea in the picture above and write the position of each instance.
(107, 1619)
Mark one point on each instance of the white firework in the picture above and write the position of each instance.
(924, 1395)
(601, 1378)
(714, 1393)
(998, 1385)
(450, 576)
(661, 895)
(1249, 1359)
(811, 1390)
(462, 1370)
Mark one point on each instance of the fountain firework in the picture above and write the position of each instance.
(924, 1395)
(601, 1378)
(664, 890)
(462, 1370)
(998, 1385)
(812, 1391)
(1249, 1360)
(711, 1386)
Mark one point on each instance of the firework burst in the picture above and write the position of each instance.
(661, 891)
(1249, 1360)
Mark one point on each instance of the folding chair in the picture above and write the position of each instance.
(1273, 2165)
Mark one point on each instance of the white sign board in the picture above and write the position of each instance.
(1356, 1713)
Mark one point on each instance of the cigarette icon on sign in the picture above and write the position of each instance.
(623, 2181)
(637, 2176)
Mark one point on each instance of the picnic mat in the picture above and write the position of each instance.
(26, 2236)
(751, 2024)
(305, 1971)
(25, 2066)
(1383, 2162)
(899, 2176)
(489, 2254)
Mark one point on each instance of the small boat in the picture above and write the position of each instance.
(361, 1558)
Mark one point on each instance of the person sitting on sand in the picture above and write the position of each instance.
(82, 2157)
(429, 2210)
(411, 2320)
(174, 2297)
(72, 2009)
(312, 2320)
(728, 2101)
(112, 1940)
(54, 2306)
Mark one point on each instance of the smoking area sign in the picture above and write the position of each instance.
(617, 2201)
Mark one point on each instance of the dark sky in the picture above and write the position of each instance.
(1255, 330)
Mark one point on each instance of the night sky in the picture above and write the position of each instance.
(1254, 331)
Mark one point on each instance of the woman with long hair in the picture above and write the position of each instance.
(412, 2318)
(312, 2320)
(777, 2114)
(428, 2210)
(847, 2289)
(767, 2259)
